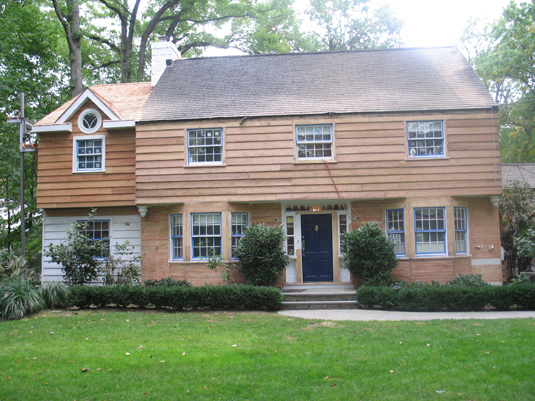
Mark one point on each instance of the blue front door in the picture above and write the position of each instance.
(317, 247)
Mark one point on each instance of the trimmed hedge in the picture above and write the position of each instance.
(213, 297)
(450, 297)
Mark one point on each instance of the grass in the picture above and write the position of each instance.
(105, 355)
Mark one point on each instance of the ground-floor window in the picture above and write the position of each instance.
(460, 230)
(342, 228)
(430, 230)
(238, 223)
(205, 234)
(395, 229)
(176, 236)
(96, 230)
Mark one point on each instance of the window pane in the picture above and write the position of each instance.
(314, 141)
(425, 138)
(206, 234)
(205, 146)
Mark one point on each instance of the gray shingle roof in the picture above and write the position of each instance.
(316, 83)
(522, 172)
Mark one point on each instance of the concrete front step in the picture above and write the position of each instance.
(319, 296)
(308, 305)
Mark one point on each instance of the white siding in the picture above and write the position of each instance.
(122, 228)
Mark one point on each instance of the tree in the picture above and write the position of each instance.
(505, 64)
(369, 254)
(517, 215)
(353, 25)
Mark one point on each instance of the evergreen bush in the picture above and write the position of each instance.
(369, 254)
(261, 256)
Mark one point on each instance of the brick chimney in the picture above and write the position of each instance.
(164, 53)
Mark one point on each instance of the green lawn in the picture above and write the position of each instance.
(262, 356)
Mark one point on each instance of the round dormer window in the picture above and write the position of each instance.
(89, 121)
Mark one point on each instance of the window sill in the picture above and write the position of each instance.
(196, 165)
(315, 161)
(413, 159)
(89, 172)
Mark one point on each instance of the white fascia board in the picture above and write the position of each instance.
(53, 128)
(87, 94)
(119, 124)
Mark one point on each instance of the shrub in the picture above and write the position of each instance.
(19, 297)
(166, 282)
(121, 266)
(369, 254)
(214, 297)
(53, 293)
(469, 280)
(78, 254)
(261, 255)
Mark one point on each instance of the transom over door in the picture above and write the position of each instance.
(317, 247)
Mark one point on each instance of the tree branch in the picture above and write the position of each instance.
(104, 41)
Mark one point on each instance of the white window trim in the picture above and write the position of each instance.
(75, 153)
(214, 163)
(349, 222)
(81, 121)
(312, 159)
(466, 231)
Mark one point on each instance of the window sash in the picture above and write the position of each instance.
(343, 226)
(290, 235)
(395, 229)
(314, 141)
(460, 230)
(430, 230)
(176, 236)
(205, 235)
(239, 221)
(89, 154)
(96, 230)
(425, 138)
(205, 146)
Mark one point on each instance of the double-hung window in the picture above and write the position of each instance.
(96, 230)
(290, 235)
(395, 229)
(430, 230)
(206, 234)
(342, 228)
(89, 153)
(176, 236)
(238, 223)
(314, 142)
(205, 146)
(460, 230)
(426, 139)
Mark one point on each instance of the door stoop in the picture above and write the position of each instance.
(319, 296)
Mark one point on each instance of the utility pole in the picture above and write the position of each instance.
(25, 145)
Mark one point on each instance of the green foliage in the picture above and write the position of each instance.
(468, 280)
(369, 254)
(78, 254)
(19, 297)
(466, 294)
(167, 282)
(504, 61)
(178, 297)
(261, 254)
(12, 265)
(215, 263)
(517, 215)
(121, 266)
(353, 25)
(53, 293)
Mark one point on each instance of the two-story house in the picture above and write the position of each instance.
(318, 142)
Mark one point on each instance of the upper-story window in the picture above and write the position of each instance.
(314, 142)
(430, 230)
(89, 153)
(205, 146)
(426, 138)
(89, 121)
(395, 228)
